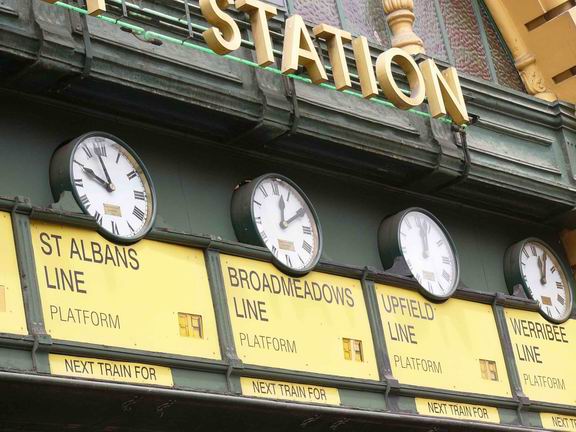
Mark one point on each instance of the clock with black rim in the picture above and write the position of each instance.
(420, 239)
(272, 211)
(109, 182)
(543, 275)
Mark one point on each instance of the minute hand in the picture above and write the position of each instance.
(298, 214)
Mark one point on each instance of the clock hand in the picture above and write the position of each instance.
(298, 214)
(282, 206)
(110, 185)
(94, 176)
(544, 258)
(542, 279)
(424, 237)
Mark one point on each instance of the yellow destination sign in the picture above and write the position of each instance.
(12, 317)
(452, 346)
(314, 324)
(107, 370)
(544, 354)
(558, 422)
(150, 296)
(456, 410)
(289, 391)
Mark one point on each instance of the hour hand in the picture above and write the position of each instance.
(298, 214)
(95, 176)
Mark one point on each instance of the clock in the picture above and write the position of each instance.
(272, 211)
(427, 249)
(109, 182)
(543, 275)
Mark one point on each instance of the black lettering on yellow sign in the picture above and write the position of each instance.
(528, 353)
(250, 309)
(544, 381)
(408, 307)
(536, 330)
(289, 287)
(268, 343)
(402, 333)
(563, 422)
(92, 252)
(289, 390)
(457, 410)
(85, 317)
(419, 364)
(110, 370)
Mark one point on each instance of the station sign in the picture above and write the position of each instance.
(281, 390)
(108, 370)
(451, 346)
(558, 422)
(316, 323)
(544, 354)
(12, 316)
(457, 410)
(149, 296)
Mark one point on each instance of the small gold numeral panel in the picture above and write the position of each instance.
(190, 325)
(353, 350)
(488, 370)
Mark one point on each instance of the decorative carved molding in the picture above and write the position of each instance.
(524, 60)
(400, 17)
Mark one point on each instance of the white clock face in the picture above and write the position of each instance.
(286, 224)
(545, 280)
(112, 187)
(429, 254)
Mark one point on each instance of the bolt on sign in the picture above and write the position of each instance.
(12, 317)
(150, 296)
(544, 355)
(442, 88)
(316, 323)
(451, 346)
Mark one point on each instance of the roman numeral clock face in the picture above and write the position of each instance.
(545, 280)
(286, 224)
(429, 254)
(111, 185)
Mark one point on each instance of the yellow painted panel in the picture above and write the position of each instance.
(302, 324)
(289, 391)
(12, 316)
(452, 346)
(96, 292)
(456, 410)
(107, 370)
(544, 354)
(558, 422)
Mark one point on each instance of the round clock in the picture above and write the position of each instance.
(273, 212)
(418, 237)
(533, 264)
(109, 182)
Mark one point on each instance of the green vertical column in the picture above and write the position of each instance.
(225, 333)
(31, 292)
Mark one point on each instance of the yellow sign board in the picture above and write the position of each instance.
(149, 296)
(558, 422)
(452, 346)
(289, 391)
(12, 317)
(544, 354)
(456, 410)
(107, 370)
(318, 323)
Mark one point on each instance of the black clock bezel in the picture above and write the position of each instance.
(514, 277)
(390, 248)
(246, 229)
(61, 179)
